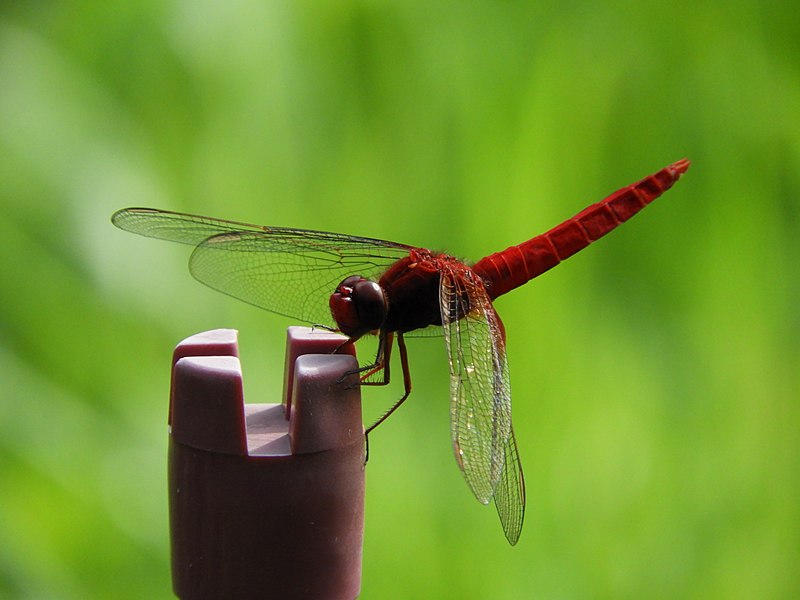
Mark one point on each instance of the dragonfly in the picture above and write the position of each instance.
(360, 286)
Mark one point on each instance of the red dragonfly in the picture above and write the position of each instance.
(362, 285)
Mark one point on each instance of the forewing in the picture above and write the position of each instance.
(480, 398)
(509, 495)
(174, 226)
(288, 271)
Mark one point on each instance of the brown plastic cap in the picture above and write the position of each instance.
(262, 507)
(217, 342)
(304, 340)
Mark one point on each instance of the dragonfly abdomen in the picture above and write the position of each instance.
(517, 265)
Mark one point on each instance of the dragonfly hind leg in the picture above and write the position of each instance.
(381, 363)
(401, 345)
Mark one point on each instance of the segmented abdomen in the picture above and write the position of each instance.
(516, 265)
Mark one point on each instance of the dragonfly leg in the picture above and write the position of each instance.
(381, 362)
(401, 344)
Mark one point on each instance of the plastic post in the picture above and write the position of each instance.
(262, 506)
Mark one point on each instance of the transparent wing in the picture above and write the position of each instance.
(288, 271)
(174, 226)
(509, 495)
(480, 398)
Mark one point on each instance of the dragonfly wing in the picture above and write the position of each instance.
(509, 495)
(174, 226)
(480, 397)
(288, 271)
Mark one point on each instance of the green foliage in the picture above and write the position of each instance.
(655, 375)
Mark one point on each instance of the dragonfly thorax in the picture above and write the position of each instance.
(358, 305)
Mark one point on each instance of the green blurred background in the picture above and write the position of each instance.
(655, 375)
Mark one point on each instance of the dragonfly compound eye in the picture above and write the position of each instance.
(358, 306)
(371, 304)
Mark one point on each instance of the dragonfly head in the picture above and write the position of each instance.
(358, 306)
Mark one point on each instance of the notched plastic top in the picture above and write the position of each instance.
(208, 412)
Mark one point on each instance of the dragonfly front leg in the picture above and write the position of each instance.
(381, 362)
